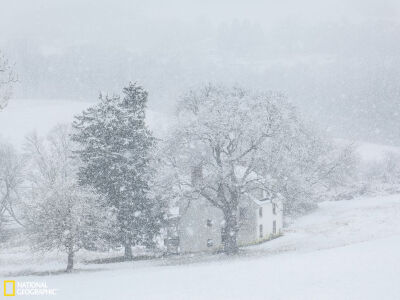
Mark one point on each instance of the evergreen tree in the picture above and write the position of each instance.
(115, 149)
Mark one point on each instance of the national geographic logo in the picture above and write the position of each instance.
(27, 288)
(9, 288)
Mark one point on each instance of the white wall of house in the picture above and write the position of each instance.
(266, 218)
(200, 225)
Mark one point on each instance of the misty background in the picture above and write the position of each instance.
(337, 61)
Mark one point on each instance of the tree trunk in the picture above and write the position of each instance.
(230, 233)
(70, 264)
(128, 252)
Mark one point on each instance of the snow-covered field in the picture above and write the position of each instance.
(343, 250)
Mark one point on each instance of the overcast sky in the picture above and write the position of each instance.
(59, 17)
(338, 60)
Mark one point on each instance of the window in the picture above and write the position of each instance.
(274, 208)
(261, 231)
(223, 234)
(274, 227)
(260, 212)
(171, 242)
(242, 213)
(210, 243)
(209, 223)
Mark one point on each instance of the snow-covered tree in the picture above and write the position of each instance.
(382, 174)
(59, 213)
(116, 149)
(11, 178)
(230, 142)
(222, 136)
(304, 165)
(7, 78)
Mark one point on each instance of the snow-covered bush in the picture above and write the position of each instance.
(382, 175)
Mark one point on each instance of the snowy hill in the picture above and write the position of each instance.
(22, 117)
(375, 152)
(336, 252)
(342, 250)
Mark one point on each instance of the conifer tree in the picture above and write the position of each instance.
(115, 149)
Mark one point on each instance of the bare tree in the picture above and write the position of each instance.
(231, 142)
(11, 178)
(7, 79)
(220, 140)
(59, 213)
(305, 165)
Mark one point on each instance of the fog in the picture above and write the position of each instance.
(338, 61)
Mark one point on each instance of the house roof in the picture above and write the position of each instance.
(259, 202)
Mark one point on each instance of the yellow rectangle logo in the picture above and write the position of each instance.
(9, 282)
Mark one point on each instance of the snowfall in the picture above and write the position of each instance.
(342, 250)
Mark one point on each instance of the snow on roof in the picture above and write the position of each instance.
(174, 211)
(259, 202)
(240, 171)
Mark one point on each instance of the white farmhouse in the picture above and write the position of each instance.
(197, 226)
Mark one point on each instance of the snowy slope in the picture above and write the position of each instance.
(369, 152)
(22, 117)
(341, 223)
(375, 152)
(361, 271)
(343, 250)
